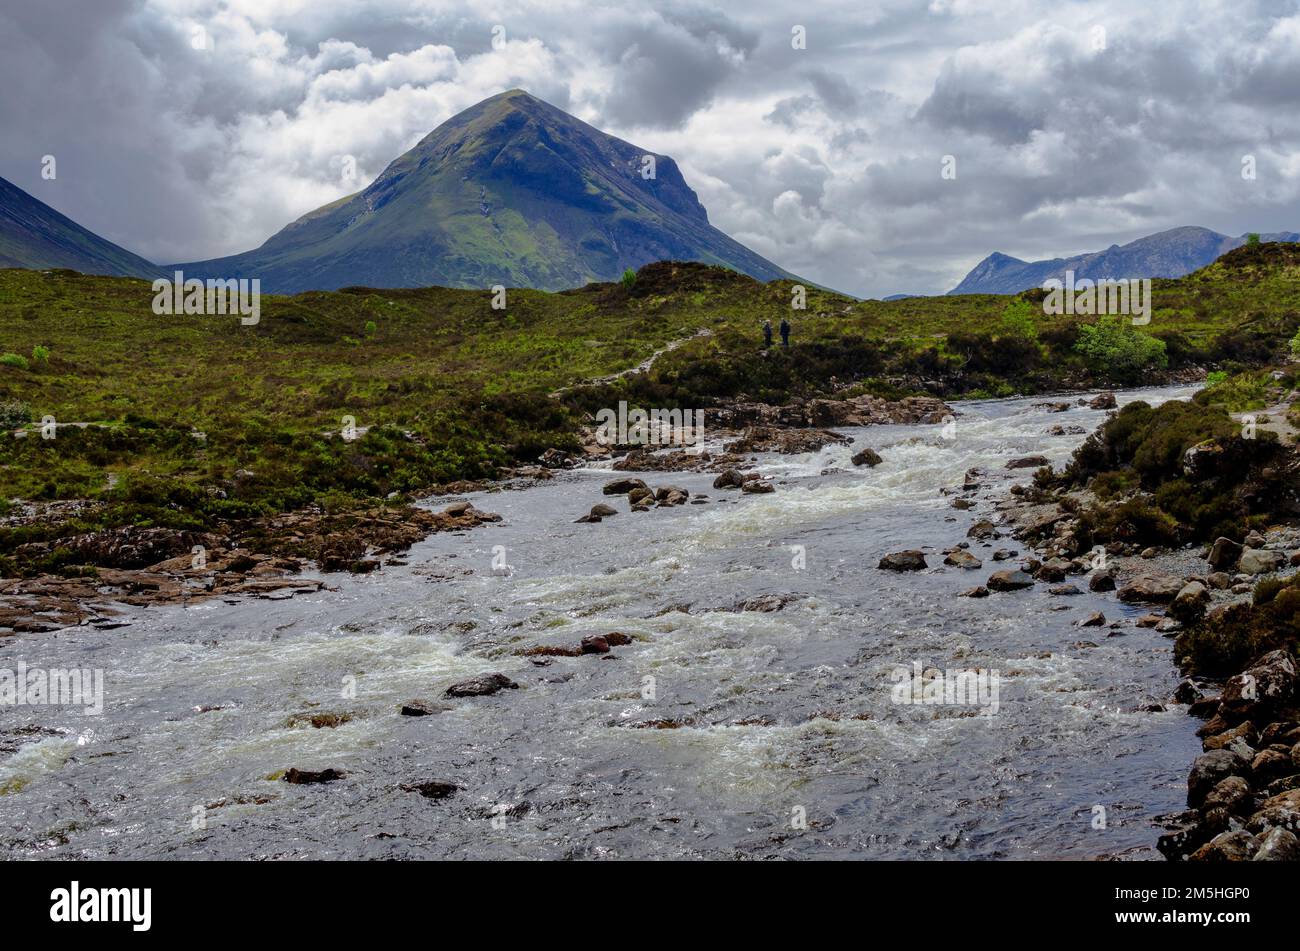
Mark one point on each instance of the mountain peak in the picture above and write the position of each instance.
(512, 190)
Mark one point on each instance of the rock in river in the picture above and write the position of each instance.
(482, 686)
(1009, 579)
(910, 560)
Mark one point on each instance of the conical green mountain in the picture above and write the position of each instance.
(511, 191)
(34, 235)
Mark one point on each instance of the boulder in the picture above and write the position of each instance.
(601, 510)
(1280, 811)
(1266, 686)
(1208, 770)
(622, 486)
(1259, 561)
(1095, 619)
(482, 686)
(867, 457)
(1239, 846)
(1029, 462)
(982, 529)
(1101, 581)
(979, 591)
(305, 777)
(756, 487)
(1190, 602)
(729, 479)
(1009, 579)
(910, 560)
(1150, 589)
(1104, 401)
(432, 789)
(1224, 554)
(962, 559)
(595, 644)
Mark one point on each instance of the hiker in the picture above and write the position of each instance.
(767, 335)
(785, 333)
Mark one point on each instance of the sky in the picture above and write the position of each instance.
(904, 142)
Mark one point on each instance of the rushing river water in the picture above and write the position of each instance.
(784, 715)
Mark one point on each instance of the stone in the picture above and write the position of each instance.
(1224, 554)
(1208, 770)
(1278, 845)
(622, 486)
(1101, 581)
(1009, 580)
(595, 644)
(1095, 619)
(1152, 589)
(1190, 602)
(979, 591)
(1104, 401)
(1267, 685)
(483, 686)
(867, 457)
(1260, 561)
(756, 487)
(910, 560)
(1029, 462)
(601, 510)
(963, 559)
(1238, 846)
(729, 479)
(982, 529)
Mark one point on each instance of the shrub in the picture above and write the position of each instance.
(1115, 348)
(14, 413)
(629, 278)
(41, 354)
(14, 360)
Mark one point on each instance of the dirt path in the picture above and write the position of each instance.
(641, 367)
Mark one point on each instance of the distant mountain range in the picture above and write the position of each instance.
(1170, 253)
(511, 191)
(34, 235)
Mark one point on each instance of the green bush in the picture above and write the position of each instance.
(14, 413)
(14, 360)
(629, 278)
(1114, 348)
(41, 354)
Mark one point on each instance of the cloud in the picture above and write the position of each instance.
(1072, 127)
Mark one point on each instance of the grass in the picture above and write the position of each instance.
(194, 420)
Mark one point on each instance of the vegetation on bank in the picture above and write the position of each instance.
(192, 421)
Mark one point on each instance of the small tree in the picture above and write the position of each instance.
(1018, 320)
(629, 278)
(1252, 239)
(41, 354)
(1113, 347)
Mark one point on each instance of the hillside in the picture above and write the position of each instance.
(444, 387)
(34, 235)
(511, 191)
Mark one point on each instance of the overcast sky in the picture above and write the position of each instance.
(1072, 125)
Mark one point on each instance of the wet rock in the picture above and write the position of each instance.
(962, 504)
(420, 708)
(1224, 554)
(1101, 581)
(979, 591)
(1104, 401)
(1259, 561)
(771, 439)
(432, 789)
(1003, 554)
(982, 529)
(1229, 797)
(482, 686)
(867, 457)
(1052, 570)
(639, 495)
(1278, 845)
(601, 510)
(1281, 811)
(729, 479)
(587, 519)
(622, 486)
(1219, 580)
(962, 559)
(1150, 589)
(1239, 846)
(766, 604)
(755, 487)
(1009, 580)
(595, 644)
(1269, 765)
(910, 560)
(1095, 619)
(1265, 687)
(1029, 462)
(1063, 589)
(1208, 770)
(1245, 732)
(304, 777)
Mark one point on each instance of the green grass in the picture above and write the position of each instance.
(453, 389)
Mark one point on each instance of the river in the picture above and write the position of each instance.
(787, 741)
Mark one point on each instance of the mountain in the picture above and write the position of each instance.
(34, 235)
(1170, 253)
(511, 191)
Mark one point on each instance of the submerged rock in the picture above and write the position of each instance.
(910, 560)
(482, 686)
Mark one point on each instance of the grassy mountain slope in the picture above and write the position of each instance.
(512, 191)
(34, 235)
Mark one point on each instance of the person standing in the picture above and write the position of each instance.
(785, 333)
(767, 335)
